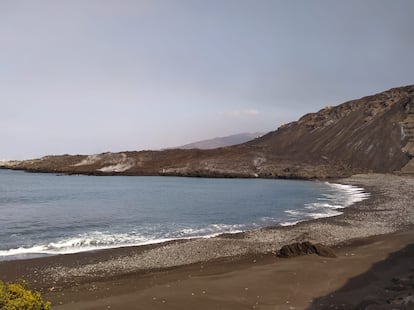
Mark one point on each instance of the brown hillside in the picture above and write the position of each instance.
(374, 133)
(365, 134)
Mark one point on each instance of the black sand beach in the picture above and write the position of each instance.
(372, 240)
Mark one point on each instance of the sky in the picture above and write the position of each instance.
(84, 77)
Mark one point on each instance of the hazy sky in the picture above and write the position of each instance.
(93, 76)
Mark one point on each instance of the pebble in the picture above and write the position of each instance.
(396, 191)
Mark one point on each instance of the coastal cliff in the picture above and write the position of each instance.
(371, 134)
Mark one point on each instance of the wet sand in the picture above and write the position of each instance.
(241, 271)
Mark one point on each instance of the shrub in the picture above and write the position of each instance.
(18, 297)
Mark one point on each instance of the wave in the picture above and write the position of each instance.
(209, 231)
(105, 240)
(81, 243)
(341, 196)
(330, 204)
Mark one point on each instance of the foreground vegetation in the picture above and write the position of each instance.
(16, 296)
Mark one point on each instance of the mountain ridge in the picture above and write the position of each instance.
(222, 141)
(371, 134)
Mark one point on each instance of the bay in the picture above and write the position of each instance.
(47, 214)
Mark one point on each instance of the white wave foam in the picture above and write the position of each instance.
(324, 214)
(329, 204)
(317, 206)
(294, 212)
(289, 223)
(104, 240)
(82, 243)
(209, 231)
(351, 194)
(326, 206)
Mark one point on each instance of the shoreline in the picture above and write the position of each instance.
(388, 210)
(378, 266)
(372, 192)
(347, 194)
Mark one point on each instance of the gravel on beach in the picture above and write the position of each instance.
(390, 208)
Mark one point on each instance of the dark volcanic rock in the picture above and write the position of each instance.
(305, 248)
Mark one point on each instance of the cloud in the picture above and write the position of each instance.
(241, 113)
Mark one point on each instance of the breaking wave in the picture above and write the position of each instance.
(67, 237)
(105, 240)
(338, 197)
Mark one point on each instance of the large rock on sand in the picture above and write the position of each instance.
(305, 248)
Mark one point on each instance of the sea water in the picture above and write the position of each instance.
(47, 214)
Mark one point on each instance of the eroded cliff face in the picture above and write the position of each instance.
(407, 134)
(371, 134)
(368, 134)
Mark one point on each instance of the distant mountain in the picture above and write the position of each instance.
(371, 134)
(221, 141)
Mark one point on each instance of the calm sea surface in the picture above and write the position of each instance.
(43, 214)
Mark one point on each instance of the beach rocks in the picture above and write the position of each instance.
(305, 248)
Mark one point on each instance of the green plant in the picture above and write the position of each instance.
(16, 296)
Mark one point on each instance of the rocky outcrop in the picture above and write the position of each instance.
(305, 248)
(371, 134)
(407, 134)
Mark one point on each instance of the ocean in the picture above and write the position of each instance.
(48, 214)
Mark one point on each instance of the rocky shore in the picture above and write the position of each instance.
(390, 209)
